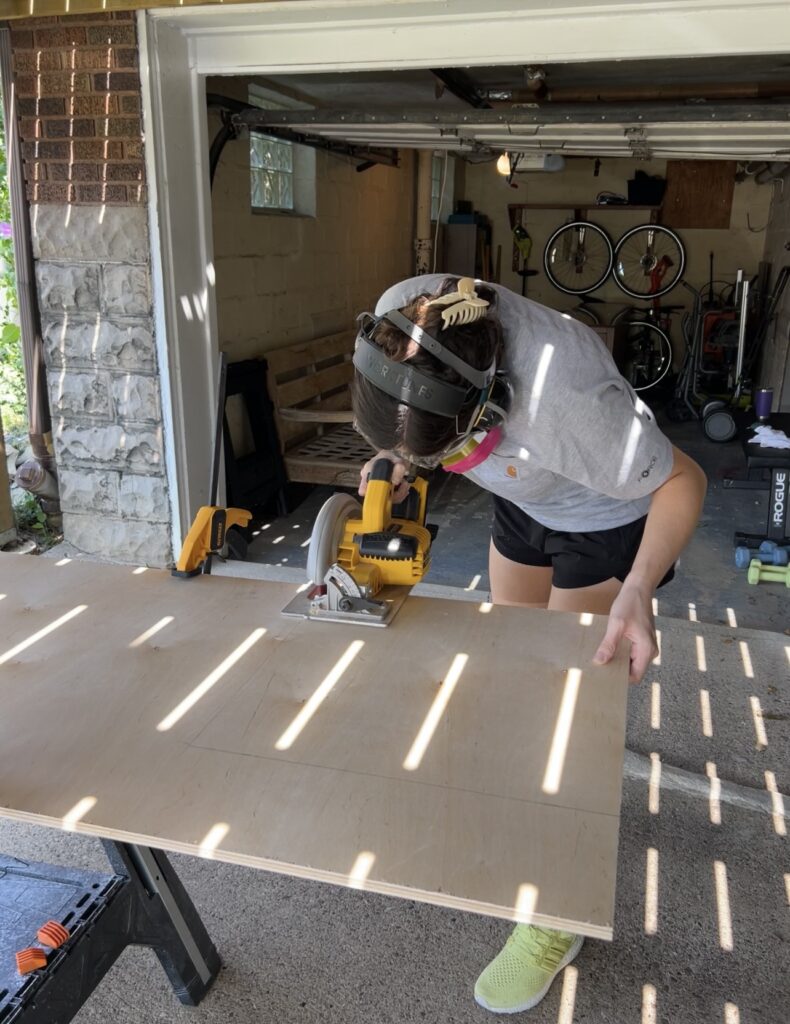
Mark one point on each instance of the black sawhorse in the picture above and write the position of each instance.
(142, 903)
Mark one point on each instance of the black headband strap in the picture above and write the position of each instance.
(405, 383)
(480, 378)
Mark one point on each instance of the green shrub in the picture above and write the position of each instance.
(31, 520)
(13, 396)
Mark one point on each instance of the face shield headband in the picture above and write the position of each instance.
(419, 390)
(408, 384)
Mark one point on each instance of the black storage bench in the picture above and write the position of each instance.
(767, 469)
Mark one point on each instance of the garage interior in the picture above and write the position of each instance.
(698, 146)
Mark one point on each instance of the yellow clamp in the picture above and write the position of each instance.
(207, 535)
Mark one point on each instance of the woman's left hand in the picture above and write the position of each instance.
(630, 618)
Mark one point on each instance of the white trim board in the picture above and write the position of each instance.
(177, 163)
(164, 352)
(343, 35)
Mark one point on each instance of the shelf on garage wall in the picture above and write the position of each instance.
(580, 211)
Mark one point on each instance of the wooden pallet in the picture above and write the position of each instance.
(309, 384)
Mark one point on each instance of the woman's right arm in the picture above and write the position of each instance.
(400, 485)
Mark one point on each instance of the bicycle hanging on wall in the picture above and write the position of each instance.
(647, 262)
(578, 257)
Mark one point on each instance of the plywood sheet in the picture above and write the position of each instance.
(467, 757)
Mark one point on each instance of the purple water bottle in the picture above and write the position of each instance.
(763, 398)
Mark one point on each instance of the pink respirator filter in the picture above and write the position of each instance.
(479, 453)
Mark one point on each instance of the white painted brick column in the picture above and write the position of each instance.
(93, 275)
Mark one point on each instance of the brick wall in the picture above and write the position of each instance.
(78, 92)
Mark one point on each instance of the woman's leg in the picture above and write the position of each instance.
(596, 599)
(517, 584)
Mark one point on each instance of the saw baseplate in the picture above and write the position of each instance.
(303, 606)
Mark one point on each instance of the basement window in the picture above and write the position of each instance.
(282, 175)
(271, 173)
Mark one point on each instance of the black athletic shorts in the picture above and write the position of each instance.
(578, 559)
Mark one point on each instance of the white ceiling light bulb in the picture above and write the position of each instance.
(503, 164)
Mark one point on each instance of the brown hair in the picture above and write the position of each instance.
(389, 424)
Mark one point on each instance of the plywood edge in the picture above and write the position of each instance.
(446, 900)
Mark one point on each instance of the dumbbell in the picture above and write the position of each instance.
(759, 573)
(772, 545)
(774, 555)
(754, 541)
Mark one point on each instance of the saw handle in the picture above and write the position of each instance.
(377, 506)
(382, 470)
(378, 509)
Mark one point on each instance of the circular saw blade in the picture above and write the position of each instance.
(327, 534)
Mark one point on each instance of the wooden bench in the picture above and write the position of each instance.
(309, 385)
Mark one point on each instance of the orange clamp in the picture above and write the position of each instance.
(32, 959)
(52, 934)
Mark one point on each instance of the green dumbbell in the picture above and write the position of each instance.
(758, 573)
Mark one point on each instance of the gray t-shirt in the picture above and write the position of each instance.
(580, 451)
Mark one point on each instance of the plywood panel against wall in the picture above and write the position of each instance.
(699, 194)
(456, 757)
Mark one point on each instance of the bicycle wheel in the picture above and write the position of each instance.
(648, 261)
(585, 314)
(629, 313)
(646, 355)
(578, 257)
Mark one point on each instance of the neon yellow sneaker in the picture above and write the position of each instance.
(521, 974)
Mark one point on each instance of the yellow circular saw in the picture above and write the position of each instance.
(363, 559)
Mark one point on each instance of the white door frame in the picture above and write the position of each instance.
(181, 45)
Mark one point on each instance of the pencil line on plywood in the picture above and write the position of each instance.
(405, 779)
